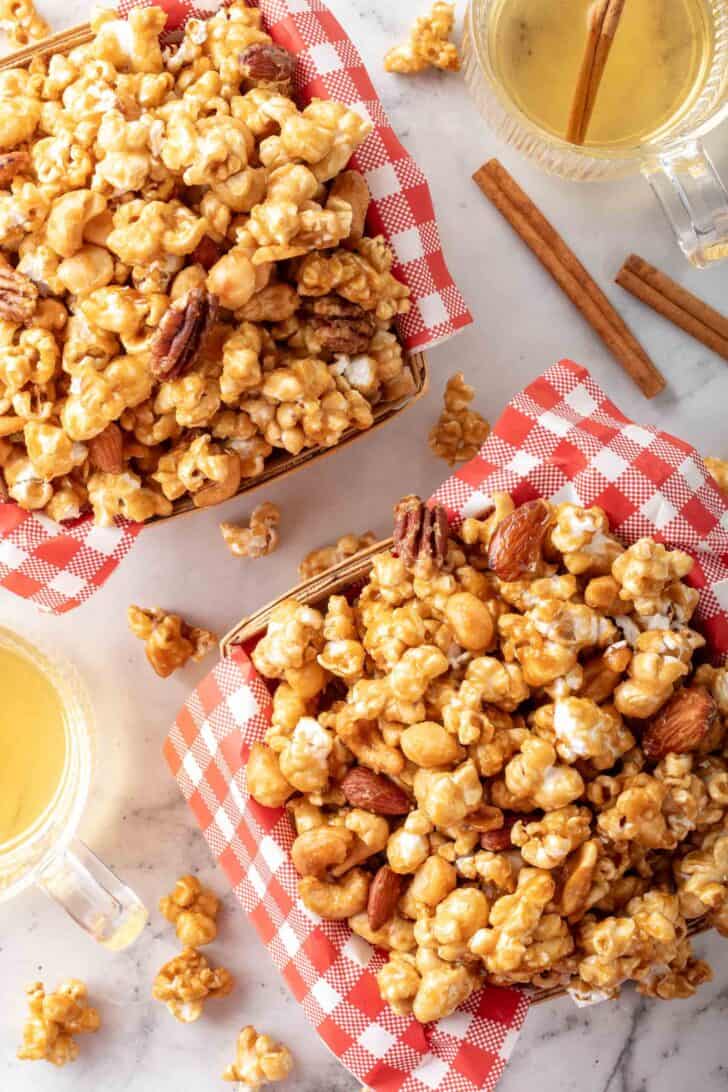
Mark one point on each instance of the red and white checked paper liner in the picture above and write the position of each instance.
(58, 569)
(560, 438)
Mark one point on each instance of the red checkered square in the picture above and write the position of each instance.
(60, 571)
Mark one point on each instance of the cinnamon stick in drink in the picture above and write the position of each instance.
(603, 20)
(672, 301)
(568, 272)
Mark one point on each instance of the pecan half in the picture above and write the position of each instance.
(682, 724)
(18, 295)
(207, 252)
(12, 164)
(182, 333)
(340, 326)
(515, 548)
(498, 840)
(420, 533)
(266, 65)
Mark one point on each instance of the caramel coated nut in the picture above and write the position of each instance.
(681, 725)
(264, 64)
(365, 789)
(420, 533)
(105, 451)
(12, 164)
(515, 548)
(182, 333)
(384, 894)
(18, 295)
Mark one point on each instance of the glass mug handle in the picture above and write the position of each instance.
(92, 895)
(694, 200)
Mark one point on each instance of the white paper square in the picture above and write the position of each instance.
(383, 181)
(191, 768)
(103, 539)
(509, 1041)
(608, 463)
(11, 555)
(256, 881)
(66, 583)
(288, 939)
(433, 310)
(326, 995)
(477, 504)
(581, 401)
(638, 435)
(456, 1024)
(207, 736)
(721, 593)
(242, 704)
(558, 425)
(566, 495)
(523, 463)
(407, 245)
(691, 472)
(223, 821)
(431, 1071)
(377, 1040)
(271, 853)
(659, 510)
(358, 950)
(325, 58)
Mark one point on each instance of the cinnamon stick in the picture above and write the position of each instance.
(568, 272)
(603, 21)
(673, 302)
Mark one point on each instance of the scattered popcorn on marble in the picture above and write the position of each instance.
(53, 1021)
(428, 44)
(185, 285)
(500, 761)
(259, 1060)
(259, 538)
(459, 431)
(169, 641)
(318, 561)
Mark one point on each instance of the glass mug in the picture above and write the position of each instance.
(46, 852)
(674, 161)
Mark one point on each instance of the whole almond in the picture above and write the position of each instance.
(365, 789)
(681, 725)
(105, 450)
(515, 548)
(384, 895)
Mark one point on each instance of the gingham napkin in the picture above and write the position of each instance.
(59, 569)
(560, 438)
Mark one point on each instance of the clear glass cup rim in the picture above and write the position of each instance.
(25, 853)
(630, 153)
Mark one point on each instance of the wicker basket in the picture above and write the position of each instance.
(281, 463)
(313, 592)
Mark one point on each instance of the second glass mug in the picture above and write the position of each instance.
(675, 164)
(48, 854)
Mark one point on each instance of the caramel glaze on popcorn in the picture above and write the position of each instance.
(461, 755)
(182, 257)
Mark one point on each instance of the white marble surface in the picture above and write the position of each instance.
(136, 819)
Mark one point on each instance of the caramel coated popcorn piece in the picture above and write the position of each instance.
(187, 981)
(459, 431)
(259, 538)
(192, 909)
(54, 1019)
(169, 641)
(428, 44)
(259, 1060)
(21, 23)
(318, 561)
(718, 469)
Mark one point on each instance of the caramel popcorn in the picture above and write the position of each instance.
(259, 538)
(187, 981)
(459, 431)
(192, 909)
(428, 44)
(184, 258)
(169, 641)
(498, 765)
(259, 1060)
(53, 1021)
(21, 23)
(318, 561)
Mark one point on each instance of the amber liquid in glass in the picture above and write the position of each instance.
(32, 744)
(657, 66)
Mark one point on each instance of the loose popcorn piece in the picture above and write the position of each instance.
(718, 469)
(21, 23)
(259, 538)
(186, 289)
(169, 641)
(53, 1021)
(428, 44)
(498, 762)
(459, 431)
(259, 1060)
(187, 981)
(318, 561)
(192, 909)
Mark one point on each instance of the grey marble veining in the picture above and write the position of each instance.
(136, 819)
